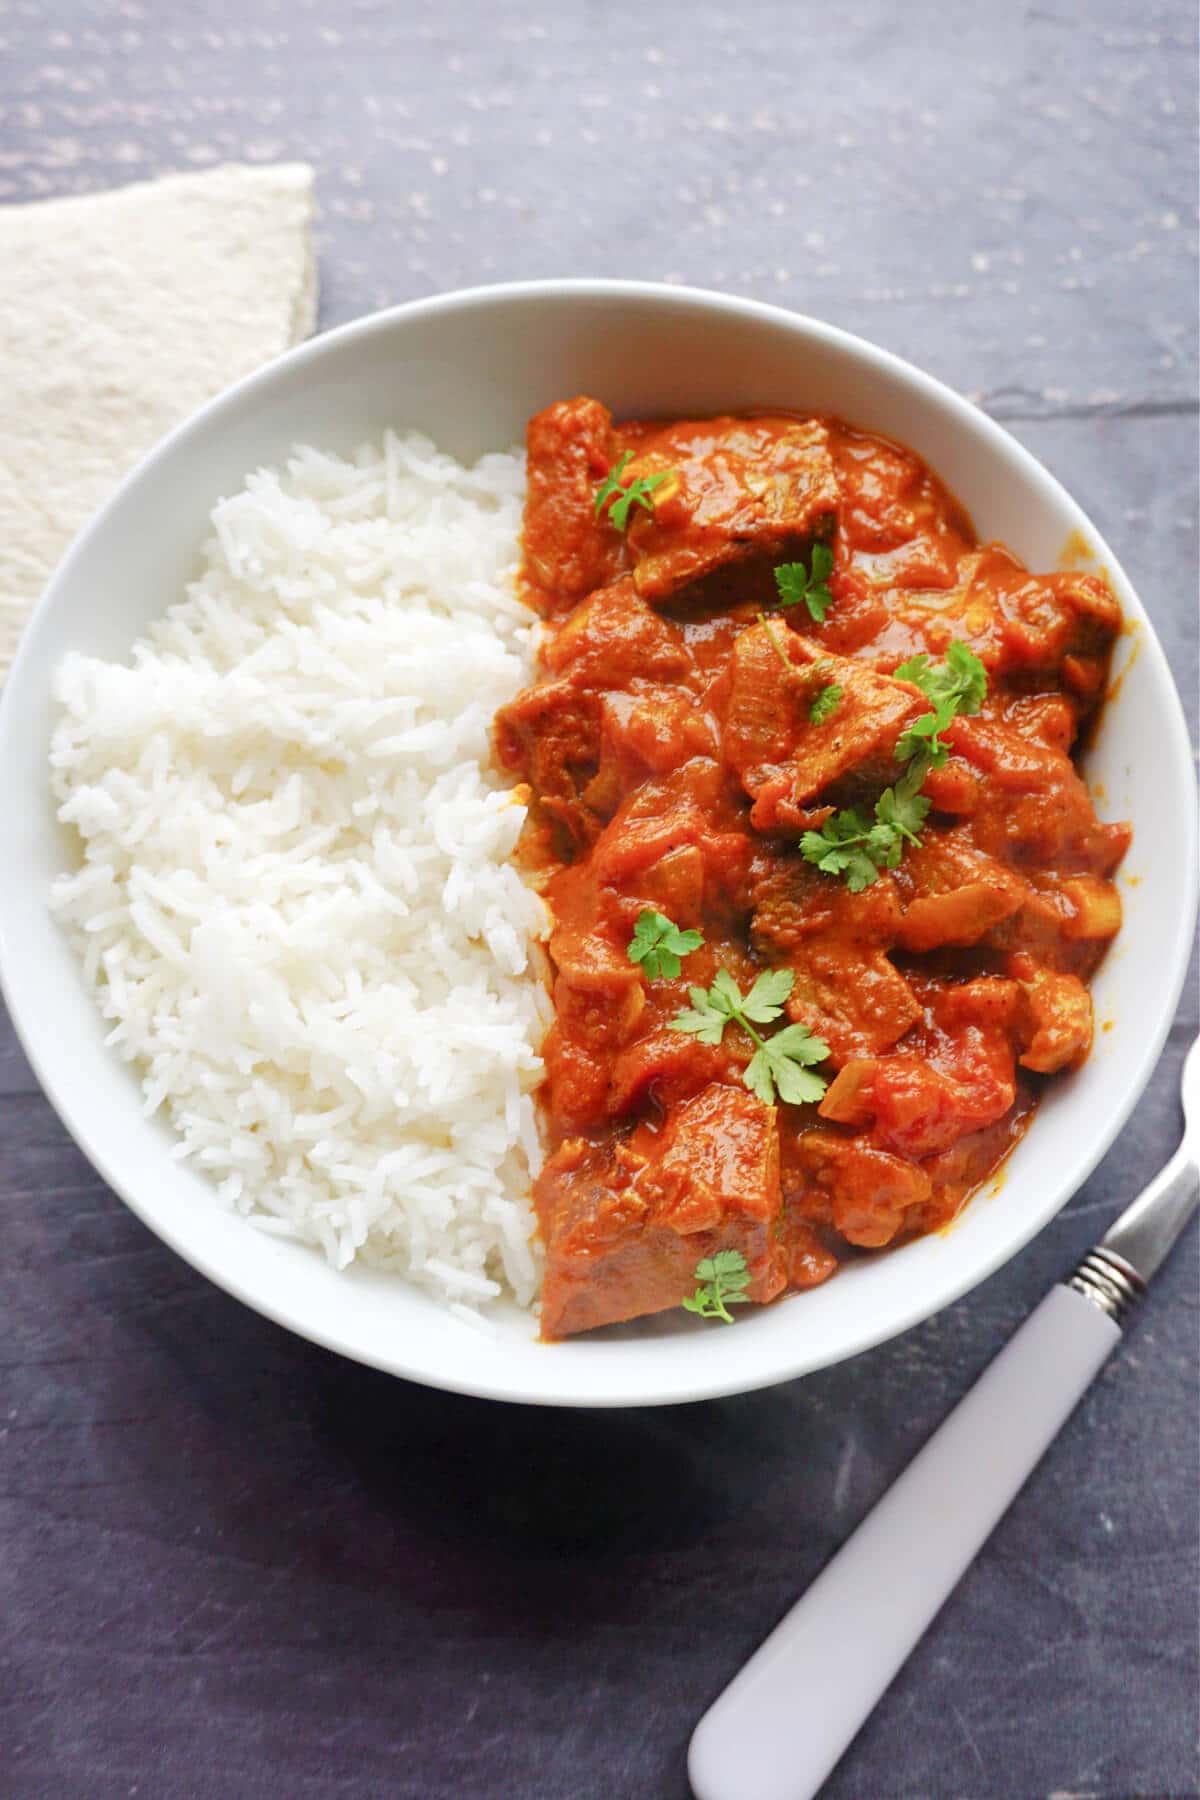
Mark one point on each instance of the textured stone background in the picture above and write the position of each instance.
(233, 1565)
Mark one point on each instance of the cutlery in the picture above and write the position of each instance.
(784, 1721)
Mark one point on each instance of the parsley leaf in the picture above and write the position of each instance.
(781, 1063)
(791, 582)
(961, 678)
(957, 685)
(765, 1000)
(917, 670)
(826, 703)
(721, 1280)
(623, 498)
(784, 1061)
(796, 583)
(657, 943)
(922, 735)
(901, 810)
(842, 847)
(849, 844)
(970, 677)
(704, 1019)
(612, 483)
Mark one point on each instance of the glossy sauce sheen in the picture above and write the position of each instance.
(674, 766)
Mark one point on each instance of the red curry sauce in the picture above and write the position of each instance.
(674, 766)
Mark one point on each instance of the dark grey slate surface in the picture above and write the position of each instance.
(229, 1563)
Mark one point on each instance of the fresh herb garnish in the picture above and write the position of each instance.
(720, 1283)
(637, 493)
(825, 704)
(961, 679)
(901, 810)
(657, 943)
(922, 736)
(778, 648)
(826, 700)
(713, 1008)
(849, 844)
(796, 583)
(841, 847)
(782, 1063)
(958, 685)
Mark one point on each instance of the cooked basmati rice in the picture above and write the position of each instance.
(297, 903)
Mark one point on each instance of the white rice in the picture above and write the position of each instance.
(296, 901)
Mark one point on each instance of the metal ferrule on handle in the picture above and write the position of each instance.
(1109, 1282)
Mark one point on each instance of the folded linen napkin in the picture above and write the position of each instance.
(120, 313)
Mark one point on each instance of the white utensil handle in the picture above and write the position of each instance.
(783, 1722)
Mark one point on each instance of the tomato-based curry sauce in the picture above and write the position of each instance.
(679, 764)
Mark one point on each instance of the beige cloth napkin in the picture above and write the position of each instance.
(120, 313)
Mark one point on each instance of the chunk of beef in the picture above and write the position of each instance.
(866, 1194)
(760, 723)
(666, 848)
(784, 760)
(1047, 819)
(793, 902)
(659, 726)
(626, 1222)
(568, 551)
(575, 1089)
(613, 637)
(649, 729)
(856, 1000)
(1027, 722)
(551, 734)
(598, 993)
(924, 562)
(687, 807)
(1048, 718)
(674, 885)
(898, 526)
(736, 488)
(599, 1001)
(845, 989)
(1062, 625)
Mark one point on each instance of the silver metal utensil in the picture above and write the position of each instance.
(783, 1722)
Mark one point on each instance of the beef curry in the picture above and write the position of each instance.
(827, 887)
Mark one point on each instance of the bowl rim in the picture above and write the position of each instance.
(879, 361)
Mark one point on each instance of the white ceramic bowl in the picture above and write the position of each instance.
(469, 368)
